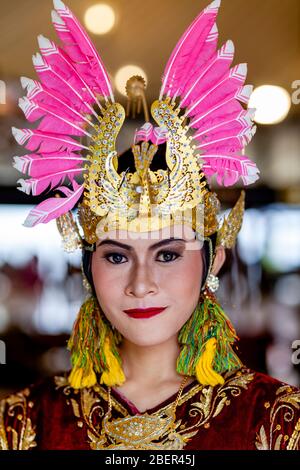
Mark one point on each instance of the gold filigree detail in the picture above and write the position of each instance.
(22, 437)
(295, 438)
(211, 210)
(90, 405)
(69, 232)
(213, 399)
(286, 402)
(232, 225)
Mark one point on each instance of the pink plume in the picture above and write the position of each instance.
(159, 135)
(73, 28)
(61, 63)
(53, 120)
(229, 169)
(37, 165)
(38, 140)
(37, 186)
(54, 207)
(41, 94)
(187, 51)
(211, 73)
(148, 133)
(224, 108)
(54, 79)
(235, 122)
(229, 84)
(229, 142)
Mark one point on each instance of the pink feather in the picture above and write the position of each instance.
(69, 44)
(37, 186)
(224, 108)
(74, 29)
(210, 74)
(211, 94)
(214, 93)
(70, 79)
(37, 165)
(53, 120)
(159, 135)
(53, 79)
(148, 133)
(234, 122)
(61, 63)
(229, 142)
(54, 207)
(189, 50)
(37, 140)
(41, 94)
(82, 63)
(229, 168)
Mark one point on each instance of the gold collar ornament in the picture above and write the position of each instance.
(199, 117)
(140, 432)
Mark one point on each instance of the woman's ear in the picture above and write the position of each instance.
(219, 260)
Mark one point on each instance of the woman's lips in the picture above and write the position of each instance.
(144, 312)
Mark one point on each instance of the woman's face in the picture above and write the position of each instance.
(152, 270)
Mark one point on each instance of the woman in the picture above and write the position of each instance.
(153, 359)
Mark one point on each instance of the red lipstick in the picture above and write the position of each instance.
(144, 312)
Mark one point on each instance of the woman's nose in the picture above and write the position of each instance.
(141, 282)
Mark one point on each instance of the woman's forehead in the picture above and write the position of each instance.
(183, 231)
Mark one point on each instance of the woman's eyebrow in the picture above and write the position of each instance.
(130, 248)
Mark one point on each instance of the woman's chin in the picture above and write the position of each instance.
(148, 338)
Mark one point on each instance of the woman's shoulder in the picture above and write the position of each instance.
(276, 407)
(21, 410)
(255, 411)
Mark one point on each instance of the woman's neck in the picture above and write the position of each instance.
(147, 365)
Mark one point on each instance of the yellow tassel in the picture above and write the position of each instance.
(75, 377)
(115, 374)
(204, 371)
(81, 378)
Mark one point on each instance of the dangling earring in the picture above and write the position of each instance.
(93, 346)
(206, 339)
(212, 283)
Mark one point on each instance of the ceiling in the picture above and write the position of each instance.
(266, 34)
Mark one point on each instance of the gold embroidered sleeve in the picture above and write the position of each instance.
(281, 430)
(16, 429)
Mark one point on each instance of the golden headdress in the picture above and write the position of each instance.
(198, 116)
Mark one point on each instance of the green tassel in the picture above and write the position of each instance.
(86, 344)
(208, 321)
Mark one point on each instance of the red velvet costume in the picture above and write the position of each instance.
(250, 411)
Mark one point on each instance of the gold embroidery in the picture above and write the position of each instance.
(287, 401)
(213, 399)
(3, 439)
(22, 438)
(295, 438)
(90, 409)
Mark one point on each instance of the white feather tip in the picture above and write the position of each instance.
(214, 5)
(17, 163)
(25, 187)
(59, 5)
(56, 18)
(26, 82)
(24, 103)
(37, 59)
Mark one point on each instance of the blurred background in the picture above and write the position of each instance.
(40, 285)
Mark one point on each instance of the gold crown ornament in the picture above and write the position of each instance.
(199, 117)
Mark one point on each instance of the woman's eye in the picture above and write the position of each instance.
(117, 257)
(168, 256)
